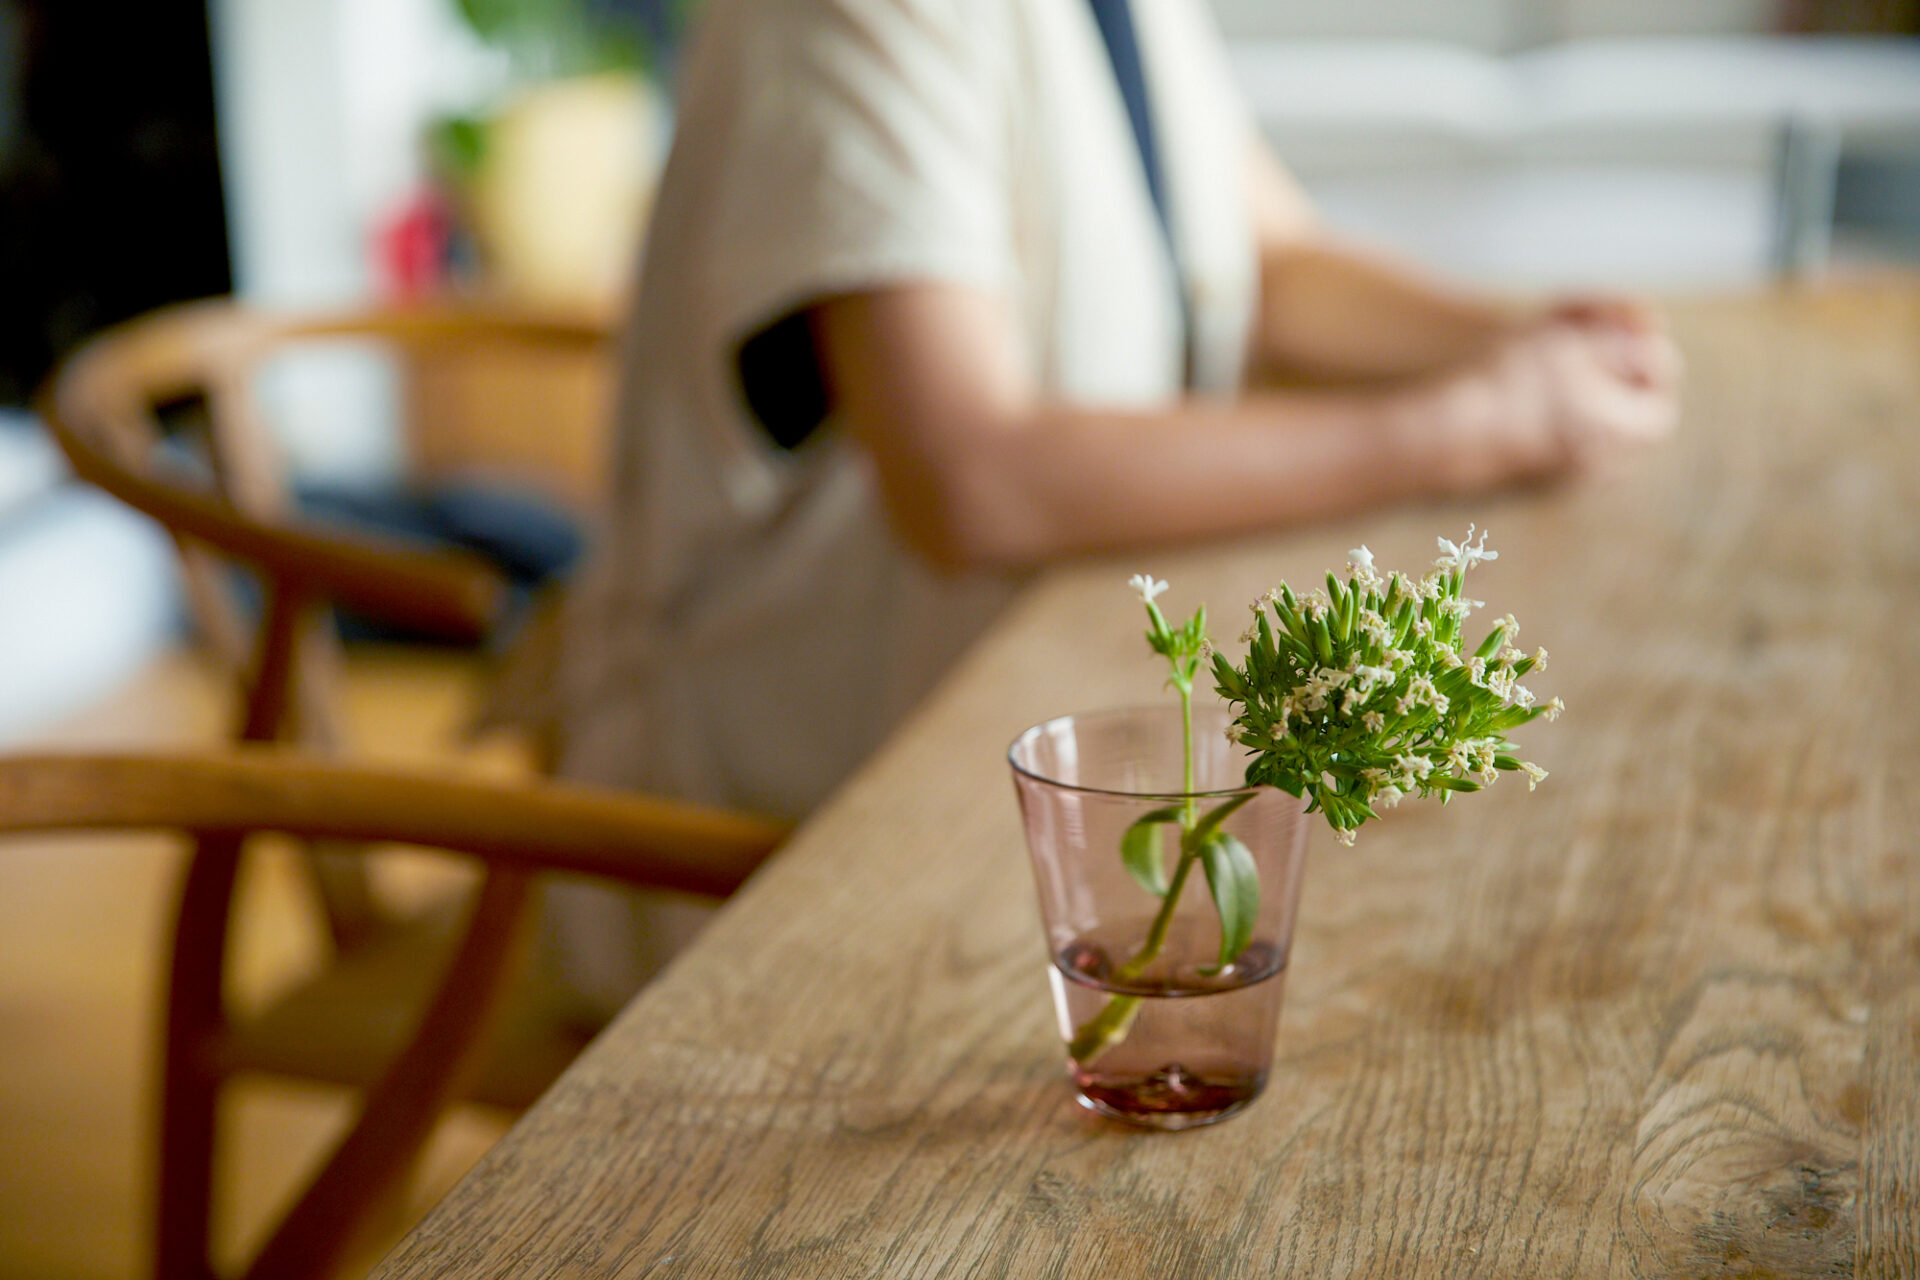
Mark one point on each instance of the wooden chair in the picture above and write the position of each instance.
(515, 832)
(102, 403)
(103, 406)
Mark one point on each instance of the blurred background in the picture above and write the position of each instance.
(325, 152)
(341, 153)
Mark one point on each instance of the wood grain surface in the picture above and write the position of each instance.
(1661, 1018)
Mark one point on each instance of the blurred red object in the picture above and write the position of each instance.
(414, 247)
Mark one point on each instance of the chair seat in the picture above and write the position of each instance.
(347, 1023)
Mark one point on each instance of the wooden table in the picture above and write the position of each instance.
(1660, 1018)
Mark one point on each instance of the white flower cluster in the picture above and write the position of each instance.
(1363, 692)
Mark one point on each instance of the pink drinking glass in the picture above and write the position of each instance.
(1175, 1040)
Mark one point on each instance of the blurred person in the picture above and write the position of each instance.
(938, 291)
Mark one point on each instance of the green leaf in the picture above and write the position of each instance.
(1297, 625)
(1403, 624)
(457, 146)
(1140, 850)
(1228, 681)
(1322, 641)
(492, 18)
(1334, 807)
(1291, 783)
(1235, 882)
(1157, 630)
(1513, 718)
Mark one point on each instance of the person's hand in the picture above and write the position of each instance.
(1601, 311)
(1569, 393)
(1631, 336)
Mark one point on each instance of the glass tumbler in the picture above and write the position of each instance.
(1161, 1030)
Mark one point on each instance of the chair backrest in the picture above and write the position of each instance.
(101, 406)
(514, 831)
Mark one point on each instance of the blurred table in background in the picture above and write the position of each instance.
(539, 420)
(1660, 1018)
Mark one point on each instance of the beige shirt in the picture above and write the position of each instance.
(752, 628)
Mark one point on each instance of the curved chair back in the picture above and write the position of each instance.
(515, 832)
(102, 405)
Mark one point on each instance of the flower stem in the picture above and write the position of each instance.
(1157, 931)
(1109, 1027)
(1186, 748)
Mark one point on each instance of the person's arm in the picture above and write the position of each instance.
(1331, 311)
(978, 469)
(1335, 311)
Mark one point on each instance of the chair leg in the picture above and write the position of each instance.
(293, 658)
(271, 691)
(190, 1072)
(403, 1109)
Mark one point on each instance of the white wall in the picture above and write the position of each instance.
(87, 585)
(295, 237)
(321, 108)
(1481, 24)
(1572, 19)
(322, 104)
(1491, 26)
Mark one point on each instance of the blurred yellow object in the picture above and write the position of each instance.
(563, 188)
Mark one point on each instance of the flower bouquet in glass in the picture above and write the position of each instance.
(1348, 700)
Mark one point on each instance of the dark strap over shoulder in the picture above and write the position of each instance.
(1115, 19)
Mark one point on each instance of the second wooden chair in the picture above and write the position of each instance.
(514, 832)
